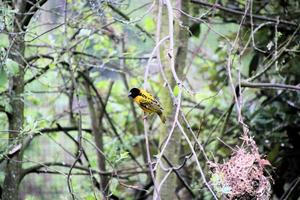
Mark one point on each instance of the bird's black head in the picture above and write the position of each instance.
(134, 92)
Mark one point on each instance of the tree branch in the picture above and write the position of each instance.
(35, 168)
(31, 11)
(128, 19)
(108, 117)
(248, 15)
(114, 173)
(271, 86)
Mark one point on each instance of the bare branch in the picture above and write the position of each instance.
(271, 86)
(248, 15)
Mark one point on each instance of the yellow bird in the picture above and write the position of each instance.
(147, 102)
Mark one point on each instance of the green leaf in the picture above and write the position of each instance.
(176, 90)
(89, 197)
(4, 42)
(97, 47)
(12, 67)
(52, 65)
(3, 79)
(5, 103)
(149, 24)
(215, 179)
(105, 41)
(134, 82)
(102, 84)
(30, 197)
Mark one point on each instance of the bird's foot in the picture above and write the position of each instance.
(145, 116)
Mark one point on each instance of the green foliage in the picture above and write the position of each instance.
(4, 42)
(90, 197)
(176, 90)
(4, 102)
(12, 67)
(8, 69)
(218, 184)
(3, 79)
(29, 197)
(6, 17)
(92, 42)
(149, 24)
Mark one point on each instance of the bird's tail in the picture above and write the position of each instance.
(162, 117)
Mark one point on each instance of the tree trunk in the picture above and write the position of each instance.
(16, 52)
(167, 191)
(96, 121)
(16, 115)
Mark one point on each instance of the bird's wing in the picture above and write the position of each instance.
(148, 102)
(150, 106)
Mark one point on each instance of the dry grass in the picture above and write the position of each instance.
(242, 176)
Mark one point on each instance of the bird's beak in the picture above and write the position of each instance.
(129, 95)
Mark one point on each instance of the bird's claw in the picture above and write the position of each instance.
(145, 116)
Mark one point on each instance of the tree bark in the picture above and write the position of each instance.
(16, 115)
(16, 52)
(167, 191)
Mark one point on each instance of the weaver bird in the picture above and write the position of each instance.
(147, 102)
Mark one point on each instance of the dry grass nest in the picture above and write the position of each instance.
(242, 176)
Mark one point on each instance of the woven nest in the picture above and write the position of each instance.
(242, 177)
